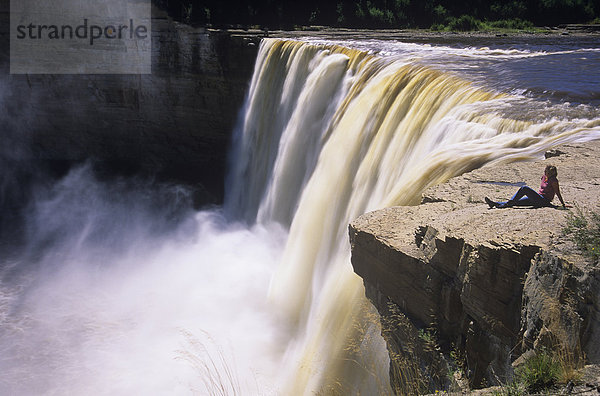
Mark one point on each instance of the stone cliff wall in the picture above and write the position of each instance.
(175, 123)
(463, 287)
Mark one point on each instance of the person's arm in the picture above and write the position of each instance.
(558, 194)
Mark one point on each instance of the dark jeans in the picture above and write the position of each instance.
(527, 196)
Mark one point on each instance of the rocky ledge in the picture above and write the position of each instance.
(465, 288)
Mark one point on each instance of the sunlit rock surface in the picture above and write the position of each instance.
(458, 283)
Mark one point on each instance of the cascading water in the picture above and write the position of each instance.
(260, 297)
(363, 133)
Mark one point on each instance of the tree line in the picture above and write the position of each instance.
(380, 14)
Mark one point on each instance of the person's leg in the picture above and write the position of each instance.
(505, 204)
(518, 197)
(492, 204)
(526, 196)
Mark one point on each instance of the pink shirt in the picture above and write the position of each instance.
(547, 187)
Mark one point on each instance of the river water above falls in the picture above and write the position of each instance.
(123, 289)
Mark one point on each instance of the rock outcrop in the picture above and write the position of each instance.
(463, 287)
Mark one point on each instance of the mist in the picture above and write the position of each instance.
(122, 288)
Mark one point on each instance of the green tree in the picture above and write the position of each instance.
(461, 14)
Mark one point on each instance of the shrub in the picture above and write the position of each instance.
(513, 389)
(380, 17)
(516, 24)
(539, 372)
(440, 14)
(585, 233)
(464, 23)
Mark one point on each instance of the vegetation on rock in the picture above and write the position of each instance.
(584, 231)
(539, 372)
(542, 372)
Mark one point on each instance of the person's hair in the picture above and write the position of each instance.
(551, 171)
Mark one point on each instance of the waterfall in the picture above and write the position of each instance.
(330, 133)
(121, 287)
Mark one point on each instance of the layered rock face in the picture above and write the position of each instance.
(174, 124)
(463, 287)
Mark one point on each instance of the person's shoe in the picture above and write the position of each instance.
(491, 203)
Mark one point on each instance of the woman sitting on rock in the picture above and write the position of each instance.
(526, 196)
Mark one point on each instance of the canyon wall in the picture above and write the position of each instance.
(174, 124)
(465, 289)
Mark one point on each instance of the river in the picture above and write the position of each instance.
(123, 288)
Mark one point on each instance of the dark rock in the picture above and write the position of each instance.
(174, 124)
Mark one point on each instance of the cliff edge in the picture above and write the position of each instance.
(463, 287)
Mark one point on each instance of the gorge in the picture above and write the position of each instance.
(123, 286)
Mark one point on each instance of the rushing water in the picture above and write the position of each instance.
(123, 289)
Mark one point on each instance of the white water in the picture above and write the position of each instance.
(119, 303)
(115, 301)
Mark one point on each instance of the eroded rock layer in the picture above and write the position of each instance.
(462, 286)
